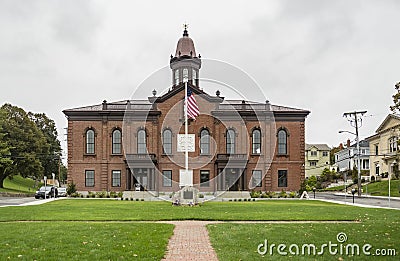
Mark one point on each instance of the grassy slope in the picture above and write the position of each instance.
(382, 188)
(18, 184)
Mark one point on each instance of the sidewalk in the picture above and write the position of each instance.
(190, 241)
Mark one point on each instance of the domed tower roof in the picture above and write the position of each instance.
(185, 45)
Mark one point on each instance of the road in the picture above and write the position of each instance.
(21, 201)
(363, 200)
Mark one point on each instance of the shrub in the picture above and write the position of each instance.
(137, 199)
(74, 195)
(255, 194)
(142, 199)
(126, 198)
(81, 195)
(239, 199)
(201, 195)
(292, 194)
(101, 194)
(282, 194)
(254, 199)
(71, 188)
(87, 196)
(269, 194)
(235, 199)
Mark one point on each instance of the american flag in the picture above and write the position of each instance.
(192, 108)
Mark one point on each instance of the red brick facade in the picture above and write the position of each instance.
(281, 154)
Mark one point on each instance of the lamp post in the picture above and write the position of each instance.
(358, 160)
(353, 191)
(314, 189)
(45, 186)
(54, 185)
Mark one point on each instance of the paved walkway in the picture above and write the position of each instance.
(190, 242)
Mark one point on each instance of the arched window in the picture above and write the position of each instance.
(90, 141)
(116, 141)
(141, 142)
(282, 142)
(256, 141)
(176, 76)
(167, 141)
(205, 142)
(185, 75)
(194, 77)
(230, 141)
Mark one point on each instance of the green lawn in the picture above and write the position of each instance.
(19, 184)
(382, 188)
(83, 241)
(84, 229)
(106, 209)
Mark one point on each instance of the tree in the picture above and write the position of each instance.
(25, 141)
(5, 153)
(396, 98)
(47, 126)
(332, 154)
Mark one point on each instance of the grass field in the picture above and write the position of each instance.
(84, 229)
(106, 209)
(83, 241)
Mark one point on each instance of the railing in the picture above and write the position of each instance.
(223, 157)
(141, 157)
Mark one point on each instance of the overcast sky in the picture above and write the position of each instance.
(328, 57)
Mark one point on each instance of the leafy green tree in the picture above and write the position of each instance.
(396, 98)
(332, 154)
(5, 153)
(26, 144)
(47, 126)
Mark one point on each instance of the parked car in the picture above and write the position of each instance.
(48, 191)
(62, 192)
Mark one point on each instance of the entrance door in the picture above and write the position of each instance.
(233, 179)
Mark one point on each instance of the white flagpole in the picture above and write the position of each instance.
(186, 130)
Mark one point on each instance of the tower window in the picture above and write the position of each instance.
(194, 77)
(176, 77)
(185, 74)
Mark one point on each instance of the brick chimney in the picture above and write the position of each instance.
(348, 143)
(341, 146)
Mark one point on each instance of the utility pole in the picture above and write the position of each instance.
(354, 120)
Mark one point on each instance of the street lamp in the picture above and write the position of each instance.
(353, 191)
(45, 186)
(54, 185)
(358, 160)
(314, 189)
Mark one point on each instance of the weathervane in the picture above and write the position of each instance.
(185, 27)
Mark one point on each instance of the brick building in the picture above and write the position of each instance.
(133, 144)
